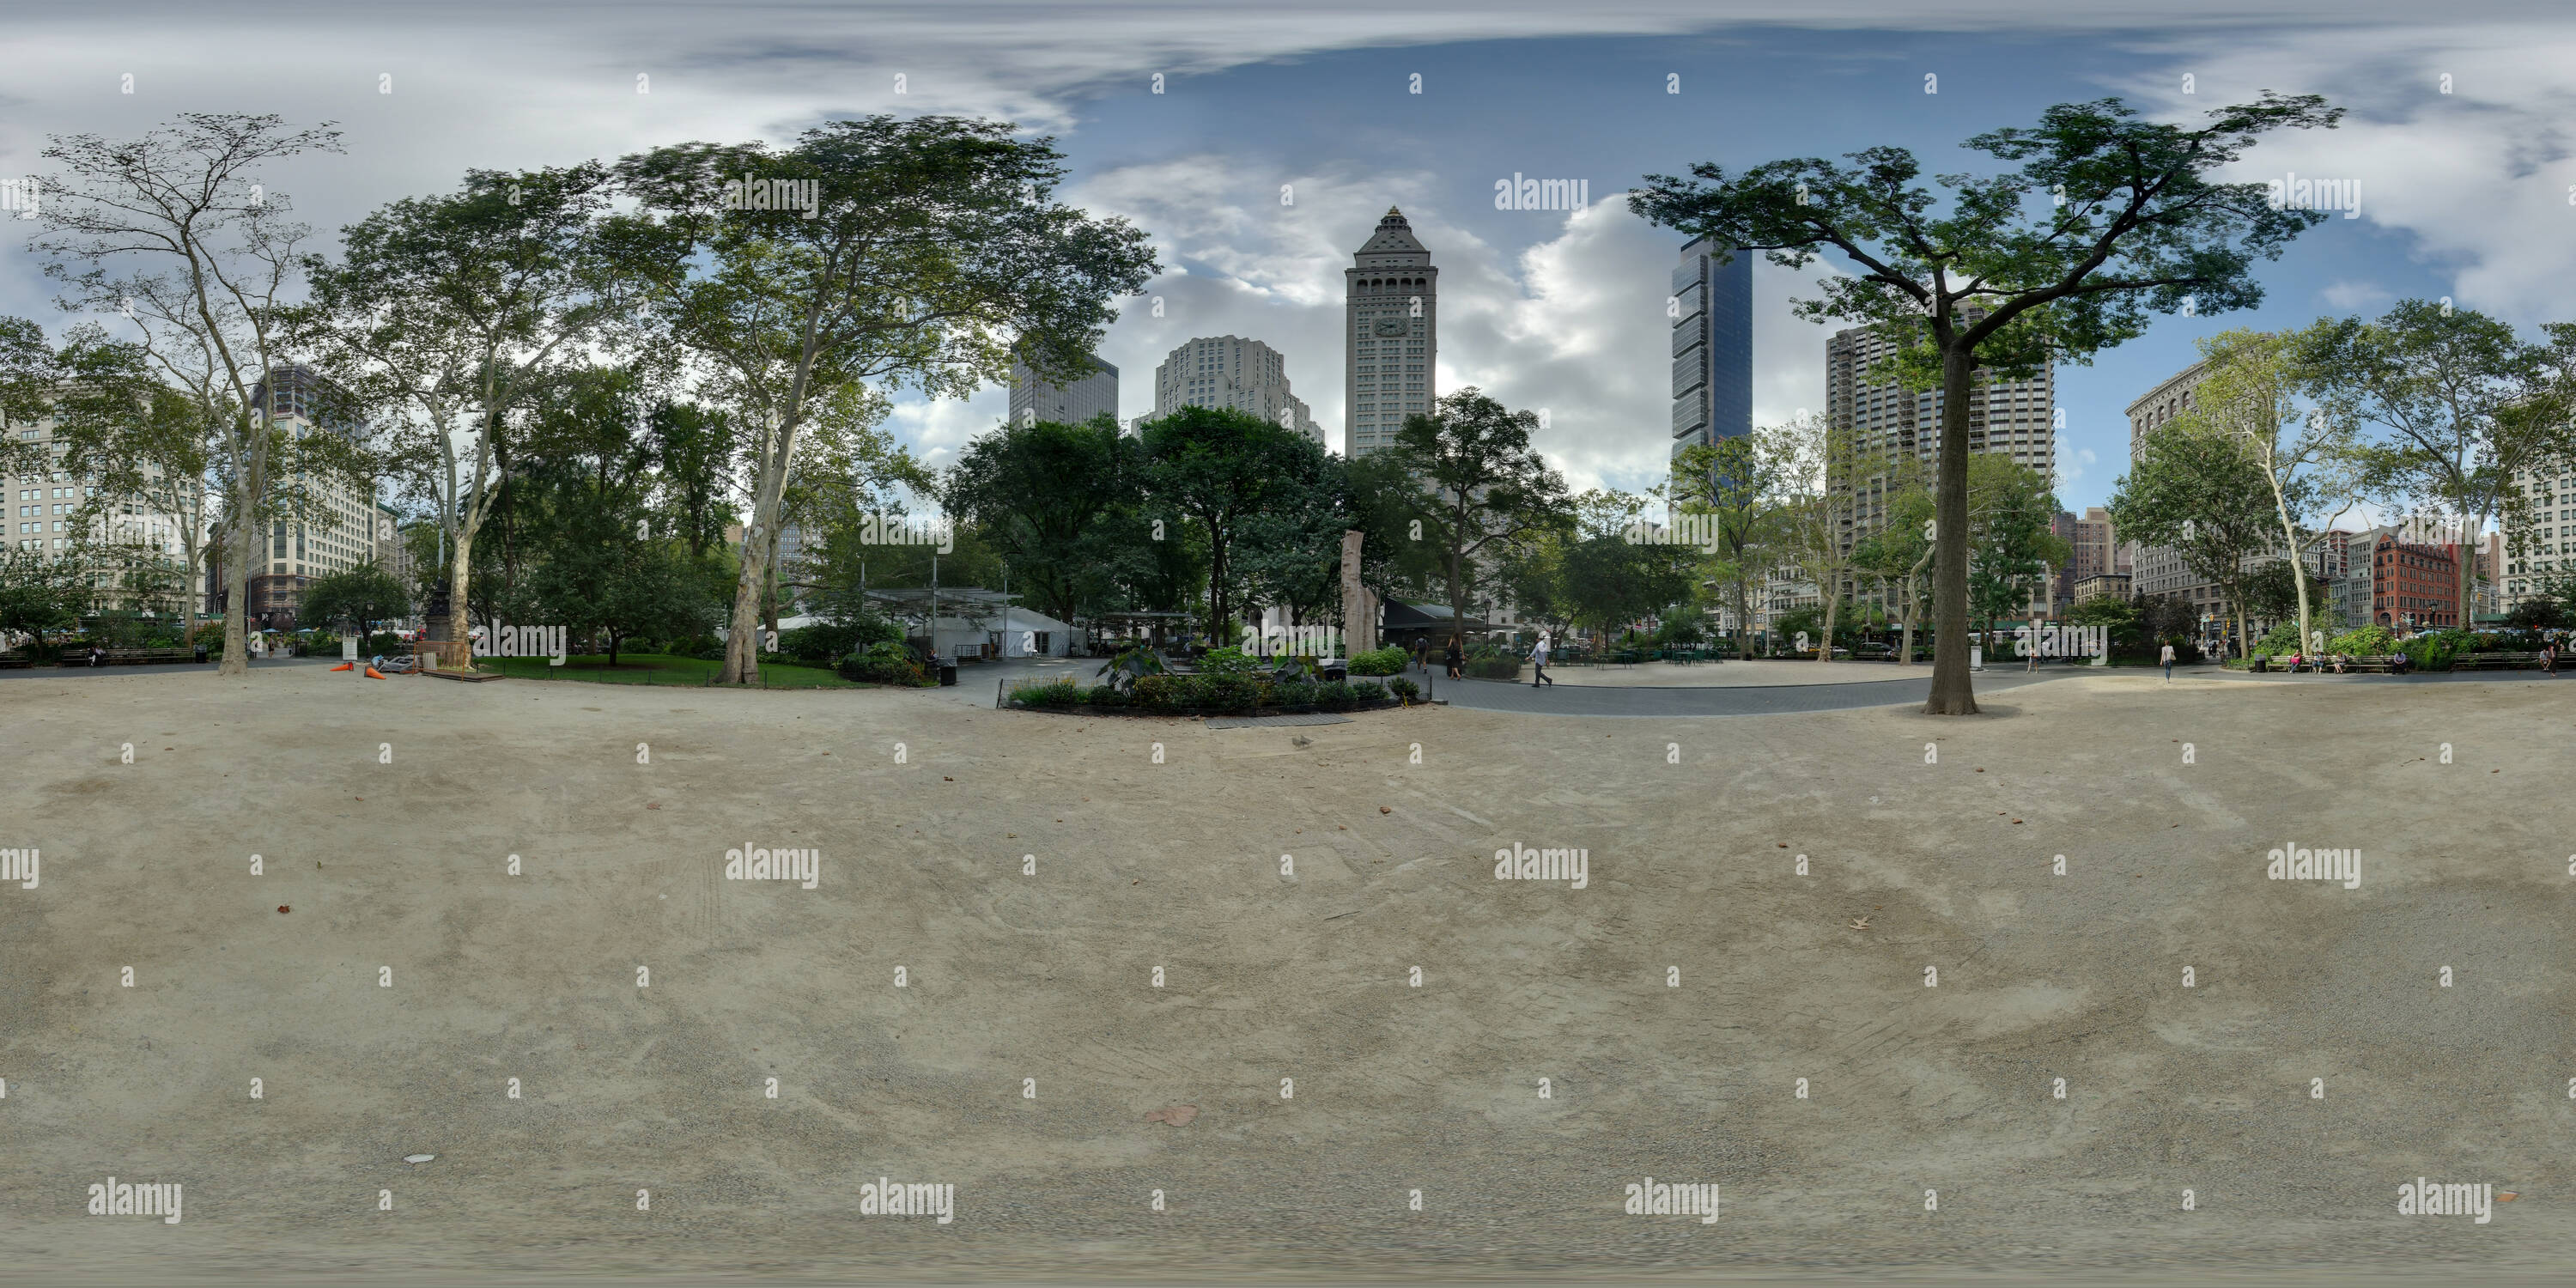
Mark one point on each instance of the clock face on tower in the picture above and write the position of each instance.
(1390, 326)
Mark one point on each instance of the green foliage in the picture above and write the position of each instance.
(1231, 660)
(1405, 689)
(38, 594)
(2281, 641)
(1489, 490)
(365, 594)
(2433, 650)
(2540, 615)
(1132, 664)
(2367, 641)
(884, 662)
(1390, 660)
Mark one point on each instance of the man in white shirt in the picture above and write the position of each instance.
(1538, 663)
(2167, 660)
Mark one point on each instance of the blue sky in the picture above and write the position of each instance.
(2466, 194)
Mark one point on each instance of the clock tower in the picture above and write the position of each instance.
(1393, 330)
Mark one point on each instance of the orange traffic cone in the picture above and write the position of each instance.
(374, 674)
(344, 666)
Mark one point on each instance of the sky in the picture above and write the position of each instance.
(1283, 131)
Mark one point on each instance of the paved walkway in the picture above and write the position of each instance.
(1740, 700)
(77, 672)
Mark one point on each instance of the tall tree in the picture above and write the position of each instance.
(1220, 469)
(145, 445)
(2200, 494)
(1732, 485)
(1899, 551)
(917, 252)
(1039, 492)
(175, 232)
(450, 313)
(1489, 489)
(1825, 480)
(2466, 406)
(2311, 457)
(2132, 224)
(2010, 544)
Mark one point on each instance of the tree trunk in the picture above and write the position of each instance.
(742, 660)
(1953, 693)
(460, 620)
(1825, 650)
(237, 582)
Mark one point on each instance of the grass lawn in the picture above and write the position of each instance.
(656, 668)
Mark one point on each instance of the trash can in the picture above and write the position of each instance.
(1333, 669)
(947, 672)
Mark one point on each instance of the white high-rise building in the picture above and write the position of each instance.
(1393, 325)
(2539, 539)
(1230, 371)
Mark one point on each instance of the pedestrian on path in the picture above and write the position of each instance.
(2167, 660)
(1457, 660)
(1538, 663)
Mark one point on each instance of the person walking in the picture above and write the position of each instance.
(1456, 657)
(1538, 663)
(2167, 661)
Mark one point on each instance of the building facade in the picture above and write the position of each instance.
(2539, 534)
(2414, 586)
(1230, 371)
(1712, 346)
(2159, 570)
(2011, 418)
(1033, 400)
(337, 530)
(1391, 356)
(132, 547)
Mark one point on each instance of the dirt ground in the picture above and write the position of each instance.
(1157, 845)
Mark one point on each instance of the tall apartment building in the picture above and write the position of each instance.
(1392, 335)
(1712, 306)
(1033, 399)
(2540, 542)
(2013, 418)
(123, 535)
(2160, 569)
(1230, 371)
(337, 533)
(2094, 550)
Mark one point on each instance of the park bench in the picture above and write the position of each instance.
(9, 661)
(142, 656)
(2497, 661)
(2366, 662)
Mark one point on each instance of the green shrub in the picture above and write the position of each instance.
(1059, 694)
(1367, 691)
(319, 644)
(1231, 661)
(2368, 641)
(1163, 692)
(1333, 695)
(1294, 693)
(1104, 695)
(1229, 692)
(1380, 661)
(1494, 668)
(882, 663)
(1405, 689)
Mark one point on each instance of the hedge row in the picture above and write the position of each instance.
(1216, 694)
